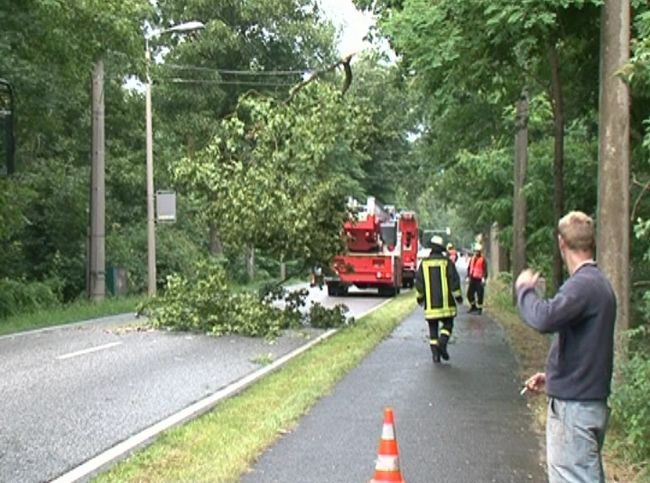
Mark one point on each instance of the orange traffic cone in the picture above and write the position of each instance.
(387, 466)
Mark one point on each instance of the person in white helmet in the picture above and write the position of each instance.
(437, 286)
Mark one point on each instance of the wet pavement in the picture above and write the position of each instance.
(461, 421)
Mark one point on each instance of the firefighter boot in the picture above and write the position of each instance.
(442, 347)
(435, 353)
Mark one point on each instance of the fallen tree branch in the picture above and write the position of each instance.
(345, 62)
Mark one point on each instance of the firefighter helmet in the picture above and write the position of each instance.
(437, 240)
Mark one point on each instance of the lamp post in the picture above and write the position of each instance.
(151, 222)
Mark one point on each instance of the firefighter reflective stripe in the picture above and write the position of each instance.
(445, 332)
(435, 269)
(436, 287)
(440, 313)
(433, 342)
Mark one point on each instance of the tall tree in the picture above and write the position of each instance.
(47, 51)
(277, 174)
(614, 155)
(481, 52)
(264, 46)
(520, 207)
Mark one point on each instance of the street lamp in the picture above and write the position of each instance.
(151, 223)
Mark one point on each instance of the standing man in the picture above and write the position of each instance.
(477, 272)
(579, 365)
(438, 288)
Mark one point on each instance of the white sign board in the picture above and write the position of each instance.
(166, 206)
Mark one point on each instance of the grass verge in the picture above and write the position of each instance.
(221, 445)
(531, 348)
(75, 312)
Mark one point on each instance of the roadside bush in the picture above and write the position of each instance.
(630, 406)
(17, 297)
(175, 253)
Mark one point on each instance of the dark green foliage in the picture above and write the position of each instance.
(205, 303)
(324, 318)
(630, 406)
(19, 297)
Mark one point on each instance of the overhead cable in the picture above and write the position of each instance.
(238, 72)
(177, 80)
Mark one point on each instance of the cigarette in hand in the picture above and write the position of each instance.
(523, 390)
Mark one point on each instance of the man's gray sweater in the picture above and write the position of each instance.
(582, 316)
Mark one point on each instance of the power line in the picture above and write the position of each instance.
(177, 80)
(239, 72)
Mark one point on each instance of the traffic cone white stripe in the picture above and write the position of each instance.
(388, 432)
(387, 463)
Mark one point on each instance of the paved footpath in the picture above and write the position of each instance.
(462, 421)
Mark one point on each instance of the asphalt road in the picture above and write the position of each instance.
(461, 421)
(72, 392)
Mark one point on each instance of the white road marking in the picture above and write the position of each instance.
(122, 449)
(88, 351)
(119, 450)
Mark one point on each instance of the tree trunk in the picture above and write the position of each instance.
(613, 243)
(283, 268)
(520, 208)
(250, 262)
(216, 247)
(557, 102)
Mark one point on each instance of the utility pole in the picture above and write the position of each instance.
(97, 256)
(8, 124)
(520, 208)
(613, 243)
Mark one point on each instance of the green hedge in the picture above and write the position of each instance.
(17, 296)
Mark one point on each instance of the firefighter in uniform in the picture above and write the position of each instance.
(476, 276)
(438, 288)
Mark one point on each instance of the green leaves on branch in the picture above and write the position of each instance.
(275, 176)
(205, 303)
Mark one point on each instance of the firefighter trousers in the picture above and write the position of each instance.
(440, 341)
(475, 292)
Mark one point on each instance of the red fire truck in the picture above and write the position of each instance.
(381, 250)
(409, 235)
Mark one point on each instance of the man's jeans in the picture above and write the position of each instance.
(575, 432)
